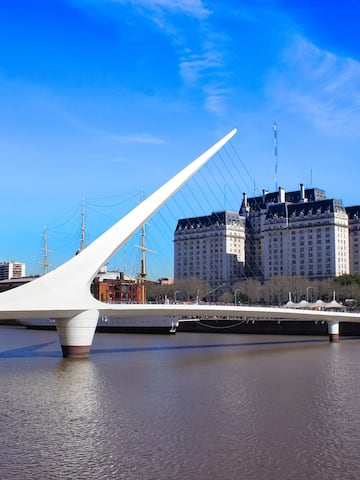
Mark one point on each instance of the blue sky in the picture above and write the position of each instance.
(103, 98)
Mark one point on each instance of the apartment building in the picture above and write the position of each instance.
(354, 238)
(210, 247)
(295, 233)
(10, 270)
(300, 232)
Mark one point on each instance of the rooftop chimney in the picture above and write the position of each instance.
(302, 192)
(244, 206)
(281, 195)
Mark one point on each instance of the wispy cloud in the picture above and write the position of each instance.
(215, 98)
(195, 65)
(319, 85)
(54, 105)
(135, 138)
(196, 41)
(194, 8)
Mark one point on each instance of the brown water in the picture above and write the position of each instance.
(189, 406)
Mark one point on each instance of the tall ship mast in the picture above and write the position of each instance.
(82, 228)
(143, 273)
(143, 266)
(45, 250)
(134, 324)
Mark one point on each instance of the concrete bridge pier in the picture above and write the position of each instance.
(333, 329)
(76, 333)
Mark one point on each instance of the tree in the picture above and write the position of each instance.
(226, 297)
(191, 289)
(187, 290)
(251, 290)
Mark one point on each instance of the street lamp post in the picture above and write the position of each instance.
(307, 293)
(214, 290)
(235, 295)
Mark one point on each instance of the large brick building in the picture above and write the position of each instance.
(117, 287)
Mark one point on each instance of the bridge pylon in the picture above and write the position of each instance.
(76, 333)
(333, 329)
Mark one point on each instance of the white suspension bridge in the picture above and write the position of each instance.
(64, 293)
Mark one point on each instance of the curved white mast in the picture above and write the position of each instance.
(64, 293)
(66, 289)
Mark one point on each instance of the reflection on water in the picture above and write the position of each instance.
(190, 406)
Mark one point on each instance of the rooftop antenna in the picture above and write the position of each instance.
(275, 153)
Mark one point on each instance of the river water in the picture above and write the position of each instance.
(188, 406)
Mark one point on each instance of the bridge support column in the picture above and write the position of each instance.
(333, 329)
(76, 333)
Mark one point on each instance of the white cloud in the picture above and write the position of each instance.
(216, 97)
(196, 42)
(203, 63)
(319, 85)
(194, 8)
(194, 66)
(136, 138)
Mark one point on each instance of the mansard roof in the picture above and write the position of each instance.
(279, 210)
(264, 201)
(353, 212)
(287, 210)
(313, 208)
(206, 221)
(311, 195)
